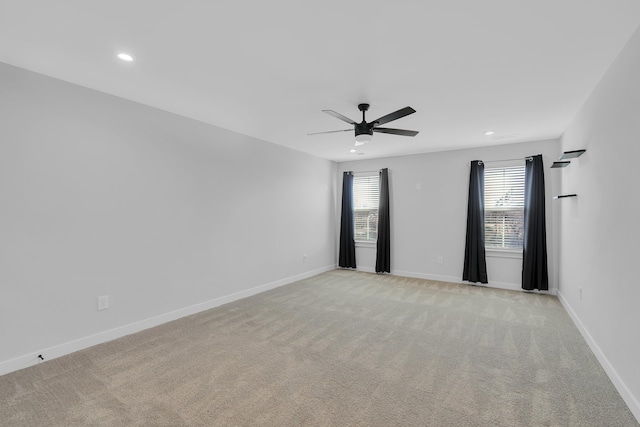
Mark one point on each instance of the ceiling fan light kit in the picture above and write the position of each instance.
(364, 131)
(363, 138)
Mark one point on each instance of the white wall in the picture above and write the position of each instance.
(600, 229)
(431, 222)
(166, 215)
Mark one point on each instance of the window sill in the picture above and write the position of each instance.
(504, 253)
(365, 244)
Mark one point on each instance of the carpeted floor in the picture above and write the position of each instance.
(341, 348)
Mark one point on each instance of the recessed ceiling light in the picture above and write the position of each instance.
(353, 150)
(125, 57)
(489, 132)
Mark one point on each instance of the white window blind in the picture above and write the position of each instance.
(366, 196)
(504, 207)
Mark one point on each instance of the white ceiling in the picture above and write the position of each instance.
(268, 68)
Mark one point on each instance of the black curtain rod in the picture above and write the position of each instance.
(365, 171)
(529, 158)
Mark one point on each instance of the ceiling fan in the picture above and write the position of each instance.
(364, 131)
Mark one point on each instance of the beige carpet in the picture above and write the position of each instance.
(341, 348)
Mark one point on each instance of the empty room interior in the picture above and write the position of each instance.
(334, 213)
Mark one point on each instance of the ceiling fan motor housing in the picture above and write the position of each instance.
(364, 128)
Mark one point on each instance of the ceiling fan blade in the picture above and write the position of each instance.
(402, 132)
(394, 116)
(339, 116)
(331, 131)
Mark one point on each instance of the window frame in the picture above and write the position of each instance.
(499, 252)
(357, 175)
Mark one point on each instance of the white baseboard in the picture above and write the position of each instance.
(59, 350)
(458, 280)
(627, 396)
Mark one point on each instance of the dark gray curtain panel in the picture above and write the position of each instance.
(475, 262)
(383, 246)
(534, 256)
(347, 256)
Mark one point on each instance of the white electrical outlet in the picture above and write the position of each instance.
(103, 302)
(418, 186)
(304, 258)
(440, 260)
(580, 293)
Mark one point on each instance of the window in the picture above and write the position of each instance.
(504, 207)
(366, 194)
